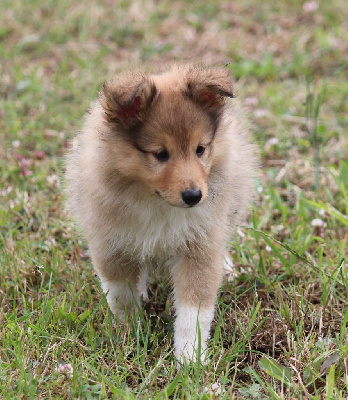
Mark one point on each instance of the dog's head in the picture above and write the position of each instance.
(164, 128)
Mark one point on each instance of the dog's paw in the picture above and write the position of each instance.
(191, 356)
(142, 285)
(229, 270)
(144, 297)
(187, 351)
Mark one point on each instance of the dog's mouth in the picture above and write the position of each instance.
(180, 204)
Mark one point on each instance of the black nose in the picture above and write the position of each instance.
(191, 197)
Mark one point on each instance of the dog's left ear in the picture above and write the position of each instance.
(209, 87)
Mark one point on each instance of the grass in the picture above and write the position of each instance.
(281, 327)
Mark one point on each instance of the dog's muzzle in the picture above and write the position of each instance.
(191, 196)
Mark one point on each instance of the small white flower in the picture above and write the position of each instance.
(50, 242)
(240, 233)
(310, 6)
(322, 212)
(229, 270)
(251, 101)
(7, 191)
(16, 143)
(215, 389)
(53, 179)
(259, 113)
(24, 162)
(279, 228)
(268, 248)
(318, 222)
(273, 141)
(65, 369)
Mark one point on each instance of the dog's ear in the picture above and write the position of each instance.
(127, 98)
(209, 87)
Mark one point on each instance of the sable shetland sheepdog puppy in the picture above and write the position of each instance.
(159, 175)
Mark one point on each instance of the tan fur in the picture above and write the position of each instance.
(129, 204)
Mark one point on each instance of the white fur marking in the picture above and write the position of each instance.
(228, 264)
(159, 228)
(186, 332)
(229, 268)
(142, 284)
(120, 295)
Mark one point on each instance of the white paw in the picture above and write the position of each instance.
(142, 285)
(121, 297)
(186, 338)
(229, 271)
(190, 353)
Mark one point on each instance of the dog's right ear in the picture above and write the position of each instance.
(127, 98)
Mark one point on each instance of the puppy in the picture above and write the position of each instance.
(159, 175)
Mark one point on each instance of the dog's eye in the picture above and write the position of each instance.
(162, 155)
(200, 150)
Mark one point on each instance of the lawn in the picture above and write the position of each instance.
(280, 331)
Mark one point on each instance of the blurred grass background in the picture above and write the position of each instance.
(281, 327)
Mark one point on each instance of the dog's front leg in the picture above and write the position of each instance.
(123, 282)
(196, 281)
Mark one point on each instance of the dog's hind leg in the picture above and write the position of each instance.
(229, 270)
(142, 284)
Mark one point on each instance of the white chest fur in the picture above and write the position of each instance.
(153, 229)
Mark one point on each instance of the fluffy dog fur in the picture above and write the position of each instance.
(147, 140)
